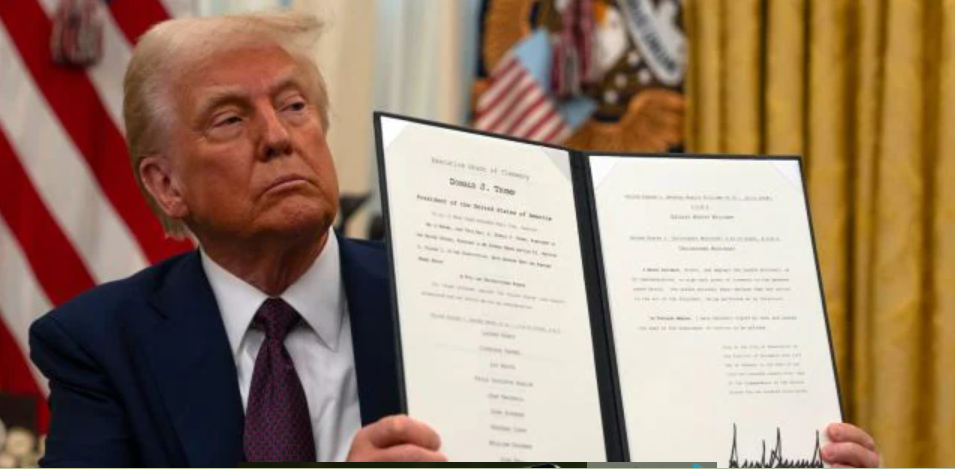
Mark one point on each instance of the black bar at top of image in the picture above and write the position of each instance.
(423, 464)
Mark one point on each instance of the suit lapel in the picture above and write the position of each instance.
(367, 288)
(189, 354)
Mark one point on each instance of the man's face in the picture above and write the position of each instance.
(249, 153)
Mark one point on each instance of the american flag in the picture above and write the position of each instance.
(518, 102)
(71, 216)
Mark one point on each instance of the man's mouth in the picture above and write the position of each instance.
(286, 182)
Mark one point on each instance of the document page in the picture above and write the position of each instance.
(494, 325)
(718, 321)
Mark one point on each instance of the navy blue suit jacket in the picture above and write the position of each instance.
(142, 374)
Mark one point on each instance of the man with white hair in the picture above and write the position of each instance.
(273, 341)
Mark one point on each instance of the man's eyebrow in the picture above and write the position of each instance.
(286, 80)
(219, 95)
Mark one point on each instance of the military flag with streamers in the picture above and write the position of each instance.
(519, 100)
(607, 74)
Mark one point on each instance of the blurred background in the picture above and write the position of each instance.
(864, 90)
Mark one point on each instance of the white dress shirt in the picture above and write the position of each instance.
(320, 346)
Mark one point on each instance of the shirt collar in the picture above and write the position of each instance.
(317, 296)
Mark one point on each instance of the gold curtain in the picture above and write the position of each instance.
(865, 91)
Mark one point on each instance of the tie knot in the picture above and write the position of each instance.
(276, 318)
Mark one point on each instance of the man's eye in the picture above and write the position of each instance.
(228, 121)
(296, 106)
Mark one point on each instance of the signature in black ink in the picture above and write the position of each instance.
(776, 458)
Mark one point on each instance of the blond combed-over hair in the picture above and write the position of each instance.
(181, 44)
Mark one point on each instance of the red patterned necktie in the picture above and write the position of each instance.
(277, 423)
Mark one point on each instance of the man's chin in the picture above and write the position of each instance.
(295, 221)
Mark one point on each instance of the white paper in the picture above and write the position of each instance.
(494, 324)
(716, 309)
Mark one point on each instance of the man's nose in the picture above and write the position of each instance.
(275, 140)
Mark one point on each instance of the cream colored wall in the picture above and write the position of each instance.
(413, 57)
(346, 54)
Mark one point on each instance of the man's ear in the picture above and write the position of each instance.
(156, 173)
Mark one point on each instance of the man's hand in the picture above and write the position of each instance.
(850, 446)
(396, 438)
